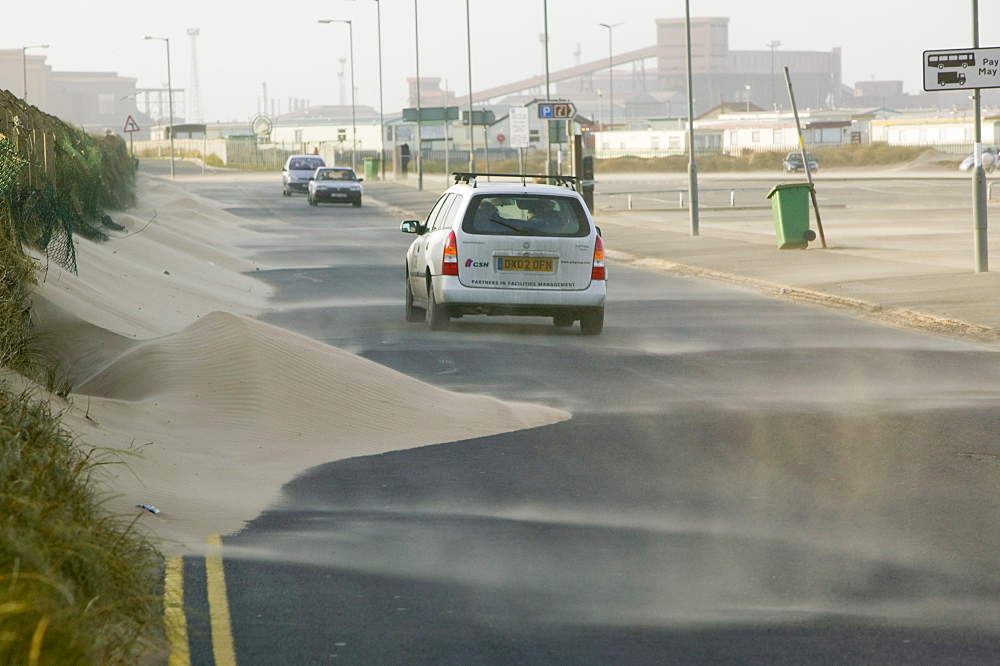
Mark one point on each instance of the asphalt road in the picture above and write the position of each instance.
(744, 480)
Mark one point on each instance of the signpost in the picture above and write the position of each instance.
(550, 110)
(975, 68)
(130, 127)
(957, 69)
(519, 130)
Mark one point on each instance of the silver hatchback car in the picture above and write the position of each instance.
(507, 248)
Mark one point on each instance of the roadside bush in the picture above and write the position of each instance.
(78, 586)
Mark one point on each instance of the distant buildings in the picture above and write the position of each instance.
(739, 97)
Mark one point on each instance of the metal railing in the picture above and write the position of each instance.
(721, 196)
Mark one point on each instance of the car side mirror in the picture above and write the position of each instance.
(412, 227)
(360, 179)
(312, 177)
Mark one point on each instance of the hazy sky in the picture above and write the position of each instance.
(243, 45)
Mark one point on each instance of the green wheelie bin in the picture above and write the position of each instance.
(790, 204)
(371, 168)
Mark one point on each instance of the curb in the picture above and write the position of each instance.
(898, 317)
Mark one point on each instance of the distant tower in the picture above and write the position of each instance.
(340, 77)
(194, 100)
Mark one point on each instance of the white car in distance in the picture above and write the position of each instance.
(335, 185)
(507, 248)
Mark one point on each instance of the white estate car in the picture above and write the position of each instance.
(297, 171)
(506, 248)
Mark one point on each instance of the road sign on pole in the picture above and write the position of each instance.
(520, 133)
(553, 110)
(957, 69)
(131, 125)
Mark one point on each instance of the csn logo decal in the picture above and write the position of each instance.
(469, 263)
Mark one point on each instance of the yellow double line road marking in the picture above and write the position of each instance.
(218, 608)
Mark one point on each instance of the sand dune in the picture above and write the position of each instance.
(206, 411)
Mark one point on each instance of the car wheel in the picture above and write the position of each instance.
(413, 313)
(357, 204)
(563, 321)
(592, 322)
(437, 316)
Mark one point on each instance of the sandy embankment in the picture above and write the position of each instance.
(208, 410)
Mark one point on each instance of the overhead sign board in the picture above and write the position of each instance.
(431, 114)
(955, 69)
(484, 117)
(551, 110)
(520, 133)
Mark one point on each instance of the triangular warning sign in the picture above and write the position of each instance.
(130, 125)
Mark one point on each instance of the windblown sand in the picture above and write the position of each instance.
(201, 410)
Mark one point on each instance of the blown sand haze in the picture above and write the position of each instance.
(205, 411)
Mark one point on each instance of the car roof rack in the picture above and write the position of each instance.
(469, 178)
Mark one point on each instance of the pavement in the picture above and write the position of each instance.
(890, 257)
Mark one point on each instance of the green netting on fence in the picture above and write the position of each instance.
(57, 181)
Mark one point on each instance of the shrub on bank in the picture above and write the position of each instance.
(78, 587)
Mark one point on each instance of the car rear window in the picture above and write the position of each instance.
(336, 174)
(306, 164)
(525, 214)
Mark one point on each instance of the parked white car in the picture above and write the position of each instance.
(506, 248)
(990, 161)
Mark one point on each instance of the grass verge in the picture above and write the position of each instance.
(77, 586)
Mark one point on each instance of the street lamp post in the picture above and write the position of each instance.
(692, 166)
(420, 152)
(611, 73)
(170, 102)
(354, 117)
(548, 95)
(381, 101)
(773, 45)
(24, 66)
(472, 128)
(600, 109)
(381, 104)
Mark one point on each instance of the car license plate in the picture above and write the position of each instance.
(527, 264)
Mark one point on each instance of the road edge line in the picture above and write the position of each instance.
(223, 649)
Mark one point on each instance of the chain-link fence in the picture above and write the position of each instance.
(56, 181)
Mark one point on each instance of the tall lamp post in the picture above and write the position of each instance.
(381, 103)
(354, 116)
(773, 45)
(692, 167)
(548, 96)
(472, 127)
(170, 102)
(420, 152)
(611, 73)
(24, 66)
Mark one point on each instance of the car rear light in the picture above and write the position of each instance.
(449, 262)
(598, 272)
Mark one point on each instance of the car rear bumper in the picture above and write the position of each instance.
(336, 197)
(459, 299)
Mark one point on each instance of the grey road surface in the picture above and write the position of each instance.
(744, 480)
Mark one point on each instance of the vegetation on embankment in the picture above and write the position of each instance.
(77, 586)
